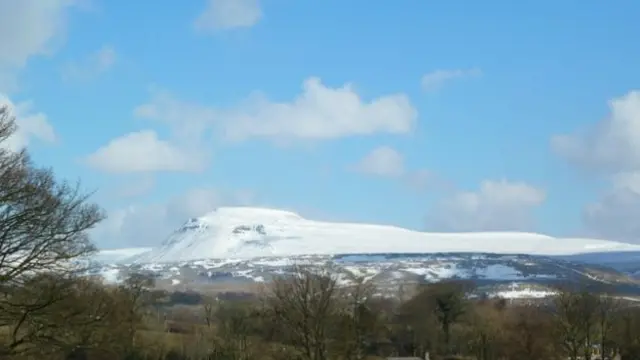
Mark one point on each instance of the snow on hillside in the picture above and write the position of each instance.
(245, 232)
(117, 255)
(522, 291)
(505, 276)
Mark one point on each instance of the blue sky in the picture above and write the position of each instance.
(441, 116)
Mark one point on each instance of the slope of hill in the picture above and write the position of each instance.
(504, 275)
(245, 232)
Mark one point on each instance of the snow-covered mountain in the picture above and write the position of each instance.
(235, 247)
(246, 232)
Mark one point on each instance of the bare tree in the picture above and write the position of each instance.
(487, 335)
(575, 315)
(450, 304)
(134, 298)
(626, 332)
(83, 319)
(304, 306)
(607, 309)
(415, 328)
(77, 311)
(43, 229)
(360, 322)
(567, 319)
(24, 312)
(43, 222)
(234, 327)
(529, 334)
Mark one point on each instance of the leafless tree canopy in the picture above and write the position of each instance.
(43, 222)
(304, 306)
(583, 320)
(43, 228)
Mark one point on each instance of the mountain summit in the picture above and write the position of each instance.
(245, 232)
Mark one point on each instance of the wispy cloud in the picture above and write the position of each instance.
(93, 65)
(436, 79)
(387, 162)
(29, 28)
(383, 161)
(228, 14)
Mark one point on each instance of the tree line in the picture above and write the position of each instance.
(50, 309)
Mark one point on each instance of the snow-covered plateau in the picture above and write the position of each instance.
(242, 245)
(245, 232)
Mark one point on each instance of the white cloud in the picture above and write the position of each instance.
(615, 215)
(30, 125)
(382, 161)
(436, 79)
(143, 151)
(28, 28)
(496, 206)
(387, 162)
(612, 145)
(96, 63)
(320, 113)
(149, 225)
(228, 14)
(186, 120)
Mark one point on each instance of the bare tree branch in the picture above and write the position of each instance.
(44, 227)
